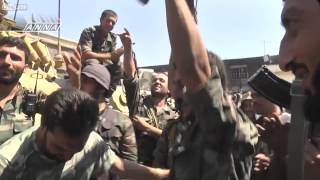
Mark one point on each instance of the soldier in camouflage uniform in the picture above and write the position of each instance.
(65, 145)
(214, 140)
(113, 126)
(99, 43)
(149, 114)
(163, 154)
(13, 59)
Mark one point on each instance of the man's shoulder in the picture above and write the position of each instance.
(10, 148)
(114, 117)
(90, 29)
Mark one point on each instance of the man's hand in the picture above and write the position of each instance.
(274, 133)
(126, 39)
(262, 163)
(115, 55)
(140, 123)
(73, 65)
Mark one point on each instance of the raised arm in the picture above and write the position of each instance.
(188, 51)
(129, 64)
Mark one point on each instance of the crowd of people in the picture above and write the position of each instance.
(206, 134)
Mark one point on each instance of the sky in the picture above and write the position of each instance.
(230, 28)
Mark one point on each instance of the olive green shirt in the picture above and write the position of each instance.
(216, 141)
(21, 159)
(91, 40)
(12, 118)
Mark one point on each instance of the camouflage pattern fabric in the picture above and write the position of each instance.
(215, 142)
(12, 119)
(163, 151)
(117, 129)
(20, 159)
(90, 40)
(143, 106)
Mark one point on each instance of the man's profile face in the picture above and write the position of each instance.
(90, 86)
(12, 64)
(300, 47)
(61, 147)
(108, 22)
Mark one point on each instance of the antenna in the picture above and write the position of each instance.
(35, 87)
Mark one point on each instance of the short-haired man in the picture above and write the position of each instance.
(218, 139)
(13, 60)
(149, 114)
(65, 145)
(99, 43)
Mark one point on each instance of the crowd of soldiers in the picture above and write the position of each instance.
(205, 134)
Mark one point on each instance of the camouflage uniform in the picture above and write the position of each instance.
(90, 40)
(163, 151)
(12, 119)
(143, 106)
(20, 159)
(214, 142)
(117, 129)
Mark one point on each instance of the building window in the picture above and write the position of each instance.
(239, 72)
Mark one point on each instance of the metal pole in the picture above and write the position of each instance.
(15, 12)
(59, 45)
(297, 133)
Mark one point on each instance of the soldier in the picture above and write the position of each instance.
(217, 139)
(65, 145)
(13, 60)
(163, 153)
(149, 114)
(113, 126)
(99, 43)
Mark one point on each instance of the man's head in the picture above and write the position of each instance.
(108, 19)
(300, 48)
(69, 115)
(159, 85)
(95, 80)
(13, 59)
(263, 106)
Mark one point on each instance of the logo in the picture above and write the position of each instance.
(15, 7)
(42, 23)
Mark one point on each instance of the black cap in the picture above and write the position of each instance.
(99, 73)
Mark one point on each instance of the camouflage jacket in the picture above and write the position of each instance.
(90, 40)
(143, 106)
(20, 159)
(216, 141)
(117, 129)
(163, 151)
(12, 118)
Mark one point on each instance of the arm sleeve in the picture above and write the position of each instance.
(128, 145)
(132, 93)
(85, 41)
